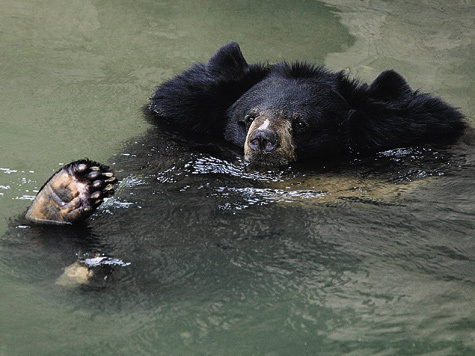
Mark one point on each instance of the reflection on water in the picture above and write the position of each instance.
(198, 253)
(195, 249)
(429, 42)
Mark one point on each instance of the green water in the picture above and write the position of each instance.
(73, 79)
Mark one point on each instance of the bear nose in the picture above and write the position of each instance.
(263, 140)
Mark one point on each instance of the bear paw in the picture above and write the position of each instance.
(72, 194)
(75, 275)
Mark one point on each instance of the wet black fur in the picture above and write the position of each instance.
(339, 114)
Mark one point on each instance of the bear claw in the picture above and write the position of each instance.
(72, 194)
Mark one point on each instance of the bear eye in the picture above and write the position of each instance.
(300, 124)
(248, 119)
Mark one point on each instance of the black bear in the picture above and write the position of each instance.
(279, 113)
(284, 112)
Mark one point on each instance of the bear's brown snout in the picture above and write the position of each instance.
(269, 141)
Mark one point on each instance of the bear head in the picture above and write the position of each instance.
(294, 113)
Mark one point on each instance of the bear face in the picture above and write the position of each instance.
(282, 113)
(288, 117)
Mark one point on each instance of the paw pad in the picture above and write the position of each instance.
(73, 193)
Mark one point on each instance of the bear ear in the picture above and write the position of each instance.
(389, 86)
(227, 63)
(388, 114)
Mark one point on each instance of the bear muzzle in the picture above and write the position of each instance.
(269, 142)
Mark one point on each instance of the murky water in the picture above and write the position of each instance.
(205, 255)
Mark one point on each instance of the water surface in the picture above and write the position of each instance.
(209, 257)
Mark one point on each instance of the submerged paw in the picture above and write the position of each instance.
(73, 193)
